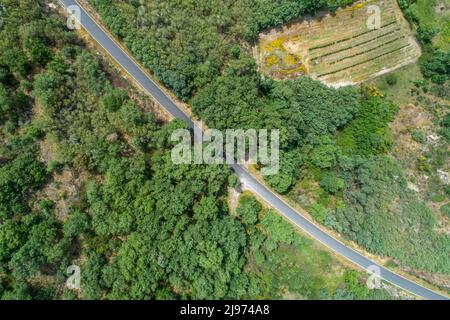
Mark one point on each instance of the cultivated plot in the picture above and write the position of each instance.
(344, 48)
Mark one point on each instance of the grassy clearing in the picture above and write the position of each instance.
(399, 84)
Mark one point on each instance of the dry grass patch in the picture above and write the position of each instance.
(409, 118)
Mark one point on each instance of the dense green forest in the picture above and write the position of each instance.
(187, 43)
(335, 143)
(139, 226)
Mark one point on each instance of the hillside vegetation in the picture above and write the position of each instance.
(139, 226)
(335, 143)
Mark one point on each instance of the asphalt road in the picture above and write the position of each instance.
(247, 179)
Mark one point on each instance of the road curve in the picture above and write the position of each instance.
(247, 179)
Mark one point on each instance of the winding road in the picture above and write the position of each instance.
(133, 69)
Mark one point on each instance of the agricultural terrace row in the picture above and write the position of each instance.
(340, 48)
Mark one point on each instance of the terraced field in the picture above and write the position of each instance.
(341, 48)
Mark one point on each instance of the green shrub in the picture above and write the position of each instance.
(248, 209)
(277, 228)
(318, 212)
(423, 164)
(438, 198)
(114, 99)
(233, 181)
(419, 136)
(392, 79)
(332, 183)
(445, 209)
(437, 67)
(427, 32)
